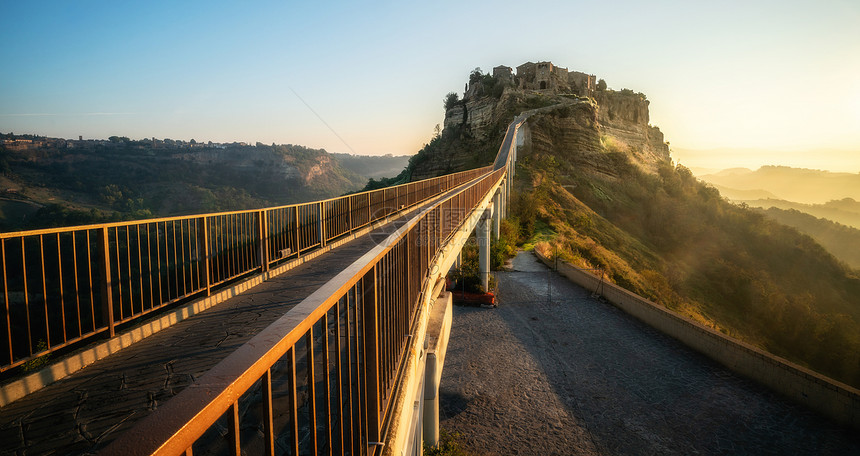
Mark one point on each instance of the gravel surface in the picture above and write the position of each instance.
(553, 370)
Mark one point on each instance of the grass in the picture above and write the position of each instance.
(542, 233)
(449, 445)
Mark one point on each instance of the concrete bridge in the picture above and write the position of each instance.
(304, 329)
(285, 330)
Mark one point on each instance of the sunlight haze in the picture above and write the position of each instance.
(756, 76)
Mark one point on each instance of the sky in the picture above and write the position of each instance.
(732, 83)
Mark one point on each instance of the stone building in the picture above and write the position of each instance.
(504, 73)
(582, 84)
(546, 76)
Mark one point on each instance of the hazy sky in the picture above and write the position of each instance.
(779, 75)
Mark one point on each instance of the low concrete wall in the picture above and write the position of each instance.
(833, 399)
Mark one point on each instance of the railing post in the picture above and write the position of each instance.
(104, 260)
(321, 212)
(263, 237)
(371, 354)
(203, 247)
(298, 231)
(349, 213)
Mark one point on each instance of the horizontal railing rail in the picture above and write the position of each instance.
(322, 378)
(64, 286)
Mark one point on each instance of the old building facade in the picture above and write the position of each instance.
(544, 76)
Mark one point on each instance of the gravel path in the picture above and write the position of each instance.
(554, 371)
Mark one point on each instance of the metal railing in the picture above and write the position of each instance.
(322, 378)
(68, 285)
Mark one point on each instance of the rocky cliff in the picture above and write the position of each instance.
(580, 127)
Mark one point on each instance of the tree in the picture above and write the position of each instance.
(475, 75)
(601, 85)
(451, 100)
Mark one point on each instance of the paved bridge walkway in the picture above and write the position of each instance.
(555, 371)
(83, 412)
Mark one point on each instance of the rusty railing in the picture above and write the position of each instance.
(68, 285)
(322, 378)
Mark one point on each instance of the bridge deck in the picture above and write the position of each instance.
(83, 412)
(564, 373)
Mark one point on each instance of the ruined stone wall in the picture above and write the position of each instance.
(526, 75)
(582, 84)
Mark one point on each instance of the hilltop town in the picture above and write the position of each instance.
(490, 100)
(13, 142)
(545, 76)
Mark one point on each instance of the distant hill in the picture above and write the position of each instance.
(55, 182)
(845, 211)
(744, 195)
(840, 240)
(373, 167)
(808, 186)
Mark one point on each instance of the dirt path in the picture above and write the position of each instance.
(554, 371)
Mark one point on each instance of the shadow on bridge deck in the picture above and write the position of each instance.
(81, 413)
(554, 371)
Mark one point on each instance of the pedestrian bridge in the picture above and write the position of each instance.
(336, 369)
(317, 328)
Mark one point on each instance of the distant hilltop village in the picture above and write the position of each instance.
(32, 142)
(544, 76)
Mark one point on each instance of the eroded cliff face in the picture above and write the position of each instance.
(623, 118)
(572, 127)
(576, 128)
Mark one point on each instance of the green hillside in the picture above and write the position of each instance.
(845, 211)
(840, 240)
(60, 182)
(596, 185)
(674, 240)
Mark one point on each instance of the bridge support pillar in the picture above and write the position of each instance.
(483, 231)
(497, 213)
(455, 266)
(504, 198)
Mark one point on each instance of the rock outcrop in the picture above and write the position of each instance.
(577, 126)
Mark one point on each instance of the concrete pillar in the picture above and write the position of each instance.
(456, 264)
(507, 199)
(483, 231)
(431, 401)
(497, 213)
(505, 202)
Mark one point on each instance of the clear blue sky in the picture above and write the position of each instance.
(776, 75)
